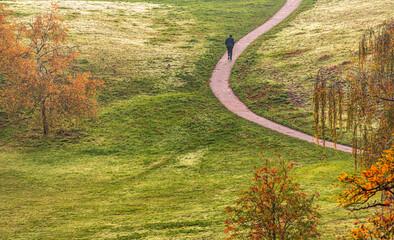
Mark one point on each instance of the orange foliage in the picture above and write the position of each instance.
(274, 207)
(40, 76)
(11, 51)
(378, 179)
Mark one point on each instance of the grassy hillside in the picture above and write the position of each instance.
(164, 157)
(285, 62)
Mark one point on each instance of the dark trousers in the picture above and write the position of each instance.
(230, 52)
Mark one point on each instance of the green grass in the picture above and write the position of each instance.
(167, 186)
(164, 157)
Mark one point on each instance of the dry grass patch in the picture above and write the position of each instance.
(191, 159)
(119, 40)
(323, 36)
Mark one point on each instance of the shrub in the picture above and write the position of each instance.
(274, 207)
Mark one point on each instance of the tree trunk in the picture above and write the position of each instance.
(44, 117)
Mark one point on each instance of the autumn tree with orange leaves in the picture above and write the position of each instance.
(274, 208)
(39, 76)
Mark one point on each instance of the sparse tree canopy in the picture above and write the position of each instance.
(41, 80)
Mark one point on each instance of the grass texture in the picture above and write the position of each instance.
(164, 157)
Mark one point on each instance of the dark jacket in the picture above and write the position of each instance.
(230, 42)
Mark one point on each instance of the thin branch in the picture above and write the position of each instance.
(369, 206)
(387, 99)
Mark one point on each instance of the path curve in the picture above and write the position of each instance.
(220, 85)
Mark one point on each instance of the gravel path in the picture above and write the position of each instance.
(221, 74)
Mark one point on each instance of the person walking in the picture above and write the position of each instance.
(230, 45)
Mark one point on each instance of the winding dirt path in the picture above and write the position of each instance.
(221, 74)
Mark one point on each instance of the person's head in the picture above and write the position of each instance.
(231, 35)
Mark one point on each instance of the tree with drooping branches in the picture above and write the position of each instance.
(363, 96)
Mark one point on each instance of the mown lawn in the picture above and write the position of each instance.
(164, 157)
